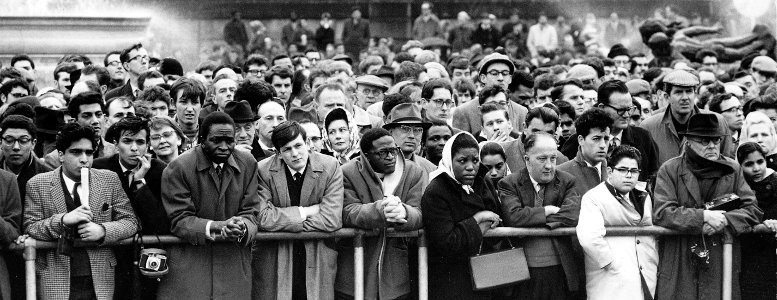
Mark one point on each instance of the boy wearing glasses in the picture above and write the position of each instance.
(437, 95)
(381, 191)
(620, 267)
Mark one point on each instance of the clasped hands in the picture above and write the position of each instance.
(392, 209)
(714, 222)
(233, 228)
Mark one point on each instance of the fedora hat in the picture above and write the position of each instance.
(405, 114)
(703, 125)
(49, 121)
(240, 111)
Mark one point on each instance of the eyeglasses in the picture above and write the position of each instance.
(501, 104)
(166, 135)
(18, 95)
(114, 63)
(504, 73)
(733, 109)
(9, 140)
(627, 171)
(440, 103)
(623, 112)
(409, 129)
(255, 71)
(141, 57)
(384, 153)
(707, 140)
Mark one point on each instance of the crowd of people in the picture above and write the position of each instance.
(435, 137)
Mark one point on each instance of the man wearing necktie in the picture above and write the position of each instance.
(590, 165)
(541, 196)
(54, 212)
(210, 195)
(141, 178)
(299, 191)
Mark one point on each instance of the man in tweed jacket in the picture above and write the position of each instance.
(53, 211)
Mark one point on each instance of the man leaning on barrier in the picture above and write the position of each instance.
(299, 191)
(54, 212)
(210, 197)
(541, 196)
(382, 191)
(691, 265)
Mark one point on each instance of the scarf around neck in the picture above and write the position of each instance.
(705, 168)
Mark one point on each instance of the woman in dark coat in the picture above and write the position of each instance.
(458, 206)
(759, 265)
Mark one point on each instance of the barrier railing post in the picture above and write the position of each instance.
(728, 240)
(358, 265)
(423, 268)
(30, 254)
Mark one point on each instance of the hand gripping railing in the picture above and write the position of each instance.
(31, 245)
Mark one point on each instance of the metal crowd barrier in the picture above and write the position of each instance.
(31, 245)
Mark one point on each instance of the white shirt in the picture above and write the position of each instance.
(618, 136)
(210, 235)
(132, 175)
(598, 167)
(265, 147)
(69, 183)
(535, 184)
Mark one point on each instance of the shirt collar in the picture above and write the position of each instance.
(535, 184)
(215, 165)
(598, 166)
(293, 172)
(265, 147)
(618, 136)
(69, 183)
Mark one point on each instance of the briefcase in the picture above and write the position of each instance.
(498, 269)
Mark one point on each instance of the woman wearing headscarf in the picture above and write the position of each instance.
(341, 138)
(459, 205)
(758, 128)
(758, 261)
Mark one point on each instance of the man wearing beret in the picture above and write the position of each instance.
(680, 87)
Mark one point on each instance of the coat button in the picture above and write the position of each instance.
(637, 242)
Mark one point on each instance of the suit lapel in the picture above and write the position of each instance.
(279, 183)
(692, 185)
(311, 181)
(526, 188)
(368, 175)
(57, 192)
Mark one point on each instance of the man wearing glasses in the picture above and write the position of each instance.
(437, 95)
(730, 108)
(115, 69)
(369, 90)
(381, 191)
(495, 69)
(135, 61)
(407, 127)
(680, 87)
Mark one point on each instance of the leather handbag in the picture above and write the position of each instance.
(498, 269)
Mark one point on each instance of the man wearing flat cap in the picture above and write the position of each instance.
(691, 265)
(495, 68)
(369, 90)
(680, 87)
(406, 126)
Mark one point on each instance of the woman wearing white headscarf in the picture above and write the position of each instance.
(458, 206)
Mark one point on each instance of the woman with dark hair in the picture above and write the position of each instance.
(298, 89)
(458, 206)
(758, 261)
(493, 157)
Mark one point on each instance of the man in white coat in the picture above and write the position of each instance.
(618, 267)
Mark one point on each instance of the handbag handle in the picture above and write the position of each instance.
(480, 248)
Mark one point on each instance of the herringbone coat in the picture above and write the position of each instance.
(45, 207)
